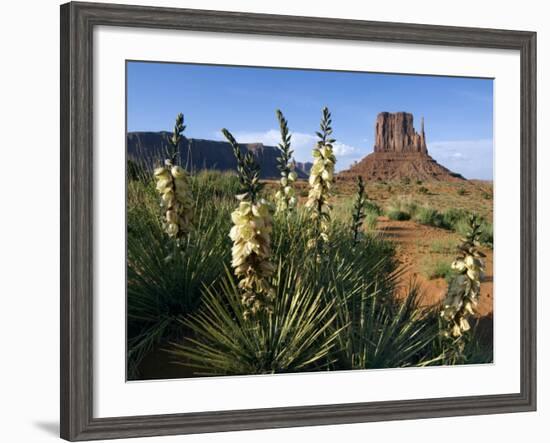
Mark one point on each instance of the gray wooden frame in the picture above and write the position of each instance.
(77, 24)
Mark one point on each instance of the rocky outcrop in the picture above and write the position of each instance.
(396, 133)
(197, 154)
(399, 152)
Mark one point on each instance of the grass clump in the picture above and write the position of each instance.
(429, 216)
(401, 209)
(437, 268)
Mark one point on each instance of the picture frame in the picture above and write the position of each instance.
(78, 21)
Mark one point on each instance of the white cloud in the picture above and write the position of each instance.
(471, 158)
(302, 144)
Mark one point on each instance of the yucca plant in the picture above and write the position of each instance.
(464, 288)
(358, 210)
(173, 186)
(382, 331)
(293, 338)
(377, 328)
(285, 196)
(164, 279)
(251, 235)
(320, 180)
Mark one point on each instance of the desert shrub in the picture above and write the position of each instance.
(423, 190)
(429, 216)
(401, 209)
(486, 196)
(418, 182)
(452, 216)
(397, 214)
(452, 219)
(461, 191)
(405, 181)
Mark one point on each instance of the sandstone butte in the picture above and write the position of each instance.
(399, 152)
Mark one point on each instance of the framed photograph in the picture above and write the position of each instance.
(272, 221)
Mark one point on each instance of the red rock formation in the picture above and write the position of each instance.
(396, 133)
(399, 152)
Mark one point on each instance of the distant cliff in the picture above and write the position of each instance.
(399, 152)
(198, 154)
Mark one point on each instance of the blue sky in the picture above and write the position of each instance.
(458, 112)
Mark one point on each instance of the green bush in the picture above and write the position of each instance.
(429, 216)
(452, 216)
(401, 209)
(396, 214)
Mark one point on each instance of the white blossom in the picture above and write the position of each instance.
(176, 198)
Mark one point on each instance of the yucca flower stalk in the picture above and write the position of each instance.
(251, 236)
(464, 289)
(321, 180)
(358, 209)
(285, 196)
(174, 188)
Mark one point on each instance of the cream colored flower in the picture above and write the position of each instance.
(458, 265)
(285, 193)
(176, 198)
(464, 291)
(320, 180)
(251, 236)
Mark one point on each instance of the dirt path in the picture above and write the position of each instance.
(420, 248)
